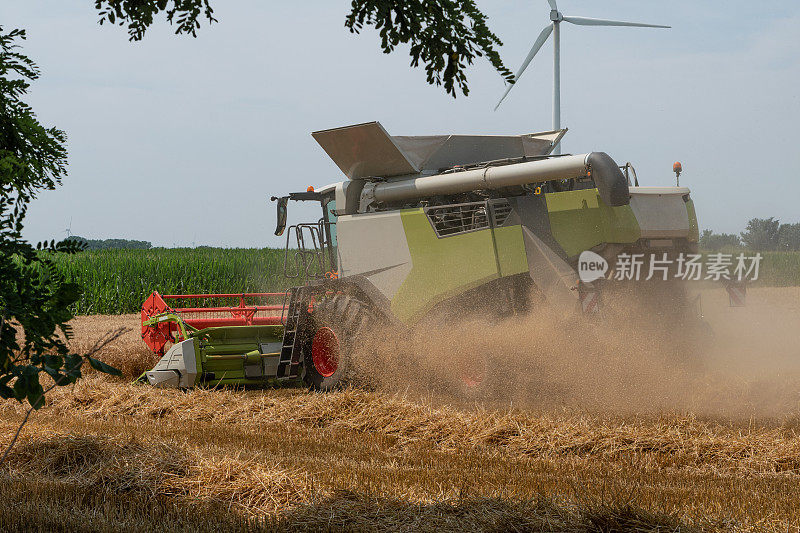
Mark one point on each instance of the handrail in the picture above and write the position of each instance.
(225, 295)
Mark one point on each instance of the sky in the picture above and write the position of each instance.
(181, 141)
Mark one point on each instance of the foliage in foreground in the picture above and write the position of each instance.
(444, 35)
(35, 299)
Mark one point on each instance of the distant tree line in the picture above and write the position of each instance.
(761, 234)
(112, 244)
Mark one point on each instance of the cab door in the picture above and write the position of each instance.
(328, 224)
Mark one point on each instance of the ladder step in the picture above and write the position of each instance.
(288, 362)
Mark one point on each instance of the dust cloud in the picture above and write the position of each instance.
(745, 364)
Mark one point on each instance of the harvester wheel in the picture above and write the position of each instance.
(328, 352)
(475, 377)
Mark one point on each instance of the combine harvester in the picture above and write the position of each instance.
(421, 227)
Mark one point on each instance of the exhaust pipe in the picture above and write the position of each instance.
(610, 182)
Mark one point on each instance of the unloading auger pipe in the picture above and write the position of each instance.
(605, 172)
(497, 177)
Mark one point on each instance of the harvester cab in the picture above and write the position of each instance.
(423, 227)
(310, 250)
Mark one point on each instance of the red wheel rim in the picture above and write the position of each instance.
(473, 373)
(325, 352)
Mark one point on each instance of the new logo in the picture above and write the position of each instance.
(591, 266)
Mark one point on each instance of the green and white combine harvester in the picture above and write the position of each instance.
(423, 227)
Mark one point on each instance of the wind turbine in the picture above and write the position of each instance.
(556, 18)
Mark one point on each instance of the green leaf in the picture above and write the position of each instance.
(36, 397)
(6, 392)
(53, 361)
(102, 367)
(72, 365)
(20, 388)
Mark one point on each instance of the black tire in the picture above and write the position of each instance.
(336, 322)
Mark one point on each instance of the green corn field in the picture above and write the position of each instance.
(777, 269)
(118, 281)
(780, 269)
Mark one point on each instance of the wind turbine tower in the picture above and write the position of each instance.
(556, 18)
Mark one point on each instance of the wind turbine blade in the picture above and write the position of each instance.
(537, 45)
(552, 4)
(584, 21)
(508, 89)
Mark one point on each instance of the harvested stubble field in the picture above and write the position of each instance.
(620, 445)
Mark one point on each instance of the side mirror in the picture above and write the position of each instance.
(282, 201)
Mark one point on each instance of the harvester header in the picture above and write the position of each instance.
(158, 329)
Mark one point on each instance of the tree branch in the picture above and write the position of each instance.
(104, 341)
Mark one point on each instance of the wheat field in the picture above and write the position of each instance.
(721, 454)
